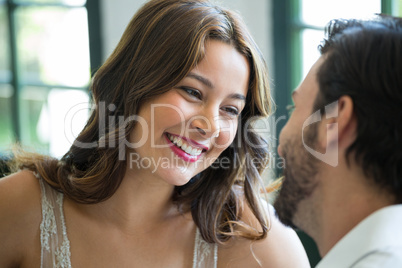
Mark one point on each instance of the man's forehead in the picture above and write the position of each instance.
(309, 87)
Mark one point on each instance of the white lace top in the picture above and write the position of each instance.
(55, 246)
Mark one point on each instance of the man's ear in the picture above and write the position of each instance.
(339, 126)
(347, 122)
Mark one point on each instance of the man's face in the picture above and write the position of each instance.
(301, 167)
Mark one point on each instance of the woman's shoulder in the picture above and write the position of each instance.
(280, 248)
(18, 188)
(282, 245)
(20, 210)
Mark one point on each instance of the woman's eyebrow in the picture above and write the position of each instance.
(237, 97)
(202, 79)
(209, 84)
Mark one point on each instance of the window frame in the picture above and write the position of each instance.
(95, 52)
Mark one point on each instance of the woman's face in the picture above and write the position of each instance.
(183, 131)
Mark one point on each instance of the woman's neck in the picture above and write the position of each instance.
(139, 201)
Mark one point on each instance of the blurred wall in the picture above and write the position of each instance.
(116, 14)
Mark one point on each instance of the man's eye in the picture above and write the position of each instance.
(192, 92)
(290, 108)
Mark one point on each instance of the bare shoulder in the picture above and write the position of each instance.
(20, 210)
(281, 248)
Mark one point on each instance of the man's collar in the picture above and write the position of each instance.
(379, 230)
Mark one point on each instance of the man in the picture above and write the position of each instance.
(343, 147)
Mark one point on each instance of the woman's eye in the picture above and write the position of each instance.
(290, 108)
(231, 110)
(192, 92)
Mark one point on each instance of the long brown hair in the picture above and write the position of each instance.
(162, 43)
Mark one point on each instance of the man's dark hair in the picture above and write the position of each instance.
(363, 60)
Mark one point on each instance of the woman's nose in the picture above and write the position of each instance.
(207, 127)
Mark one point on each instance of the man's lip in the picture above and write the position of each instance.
(280, 153)
(191, 142)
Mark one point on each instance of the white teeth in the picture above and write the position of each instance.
(184, 145)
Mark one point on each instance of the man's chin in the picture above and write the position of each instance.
(284, 213)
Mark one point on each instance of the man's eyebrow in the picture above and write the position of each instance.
(202, 79)
(294, 94)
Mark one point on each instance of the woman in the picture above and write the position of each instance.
(161, 174)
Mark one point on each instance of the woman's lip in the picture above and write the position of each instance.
(180, 153)
(192, 142)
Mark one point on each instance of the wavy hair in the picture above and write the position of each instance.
(162, 43)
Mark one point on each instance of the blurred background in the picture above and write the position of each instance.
(50, 48)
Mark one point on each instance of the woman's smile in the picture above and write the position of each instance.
(186, 149)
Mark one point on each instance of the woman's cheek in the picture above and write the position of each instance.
(171, 113)
(226, 135)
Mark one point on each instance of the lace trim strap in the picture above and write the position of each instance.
(205, 254)
(55, 246)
